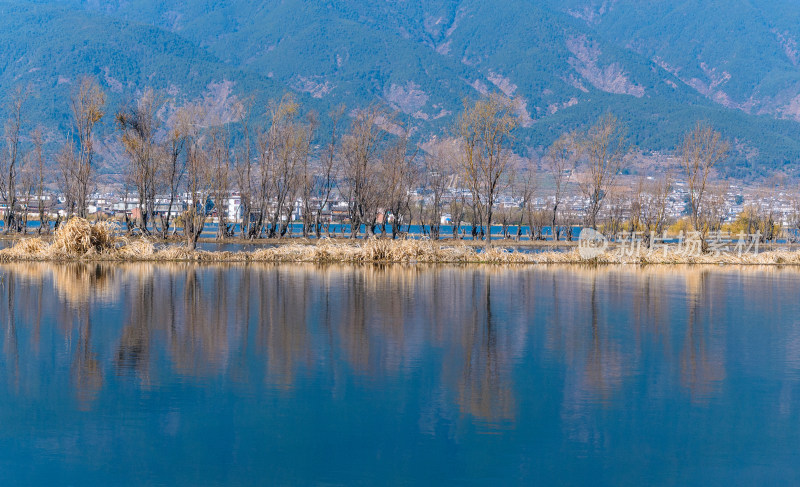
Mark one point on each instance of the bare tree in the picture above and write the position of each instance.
(198, 188)
(361, 152)
(617, 206)
(128, 188)
(794, 220)
(397, 178)
(505, 212)
(768, 218)
(318, 180)
(537, 219)
(760, 217)
(570, 219)
(173, 159)
(714, 210)
(38, 170)
(139, 125)
(652, 204)
(68, 167)
(636, 204)
(262, 190)
(306, 180)
(523, 189)
(437, 177)
(27, 185)
(219, 167)
(458, 210)
(244, 171)
(605, 147)
(561, 159)
(283, 149)
(485, 128)
(11, 158)
(420, 209)
(87, 104)
(325, 179)
(702, 149)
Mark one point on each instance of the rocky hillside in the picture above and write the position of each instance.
(740, 54)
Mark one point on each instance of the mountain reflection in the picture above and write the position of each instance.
(463, 334)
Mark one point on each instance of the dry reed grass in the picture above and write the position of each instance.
(79, 240)
(78, 237)
(28, 247)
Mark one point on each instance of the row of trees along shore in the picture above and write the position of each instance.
(275, 157)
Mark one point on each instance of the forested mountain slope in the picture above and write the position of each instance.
(659, 66)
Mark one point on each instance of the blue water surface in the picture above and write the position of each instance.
(179, 374)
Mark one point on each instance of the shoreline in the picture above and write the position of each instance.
(378, 252)
(80, 241)
(269, 242)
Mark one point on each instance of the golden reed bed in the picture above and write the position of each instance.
(79, 240)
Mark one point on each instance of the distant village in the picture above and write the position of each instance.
(110, 205)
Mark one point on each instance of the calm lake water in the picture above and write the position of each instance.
(299, 375)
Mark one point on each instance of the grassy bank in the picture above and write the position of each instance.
(79, 240)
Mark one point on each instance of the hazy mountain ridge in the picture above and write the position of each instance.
(564, 63)
(124, 56)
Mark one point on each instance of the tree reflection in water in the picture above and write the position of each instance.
(468, 330)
